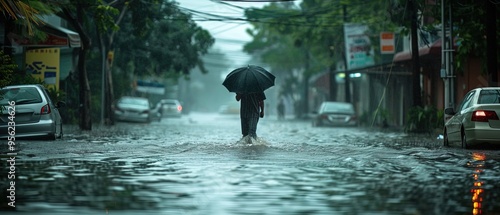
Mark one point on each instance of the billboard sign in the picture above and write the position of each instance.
(43, 64)
(150, 87)
(359, 51)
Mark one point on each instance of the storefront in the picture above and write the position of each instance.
(49, 60)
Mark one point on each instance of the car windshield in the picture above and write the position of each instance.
(489, 97)
(22, 95)
(134, 101)
(338, 108)
(169, 102)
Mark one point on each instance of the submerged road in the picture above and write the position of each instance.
(198, 165)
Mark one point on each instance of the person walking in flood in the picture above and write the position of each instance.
(251, 109)
(249, 83)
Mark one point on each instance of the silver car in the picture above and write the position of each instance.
(335, 114)
(476, 119)
(133, 109)
(28, 111)
(171, 108)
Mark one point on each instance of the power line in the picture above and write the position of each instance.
(227, 29)
(210, 17)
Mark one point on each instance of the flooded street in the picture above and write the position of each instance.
(198, 165)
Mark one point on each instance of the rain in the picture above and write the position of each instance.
(198, 165)
(388, 155)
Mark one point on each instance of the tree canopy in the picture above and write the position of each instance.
(173, 45)
(153, 38)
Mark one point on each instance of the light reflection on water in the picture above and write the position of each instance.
(477, 190)
(261, 180)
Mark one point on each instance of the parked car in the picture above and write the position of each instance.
(335, 114)
(133, 109)
(33, 112)
(171, 108)
(476, 119)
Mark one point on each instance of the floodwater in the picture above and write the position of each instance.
(198, 165)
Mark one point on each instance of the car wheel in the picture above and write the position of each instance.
(445, 138)
(51, 136)
(464, 141)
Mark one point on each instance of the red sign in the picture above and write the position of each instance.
(51, 40)
(387, 43)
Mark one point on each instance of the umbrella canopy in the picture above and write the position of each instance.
(249, 79)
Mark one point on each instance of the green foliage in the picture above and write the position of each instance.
(424, 119)
(283, 34)
(470, 33)
(469, 22)
(7, 67)
(21, 77)
(309, 38)
(26, 13)
(169, 43)
(378, 117)
(105, 14)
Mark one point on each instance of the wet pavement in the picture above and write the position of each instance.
(198, 165)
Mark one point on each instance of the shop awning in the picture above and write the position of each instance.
(432, 49)
(56, 37)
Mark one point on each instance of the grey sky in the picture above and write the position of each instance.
(230, 34)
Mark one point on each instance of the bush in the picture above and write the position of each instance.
(7, 67)
(379, 117)
(424, 119)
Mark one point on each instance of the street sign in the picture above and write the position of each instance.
(387, 43)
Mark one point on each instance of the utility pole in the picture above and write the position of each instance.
(347, 78)
(305, 108)
(417, 98)
(447, 72)
(333, 74)
(449, 50)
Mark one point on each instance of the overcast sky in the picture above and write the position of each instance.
(229, 34)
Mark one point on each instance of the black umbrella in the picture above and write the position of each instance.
(249, 79)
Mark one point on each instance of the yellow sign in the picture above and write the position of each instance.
(43, 64)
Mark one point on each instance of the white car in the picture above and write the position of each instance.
(133, 109)
(335, 114)
(28, 111)
(171, 108)
(476, 119)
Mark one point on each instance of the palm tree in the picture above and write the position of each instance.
(25, 12)
(13, 11)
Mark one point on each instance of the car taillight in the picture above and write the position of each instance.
(45, 109)
(484, 115)
(179, 108)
